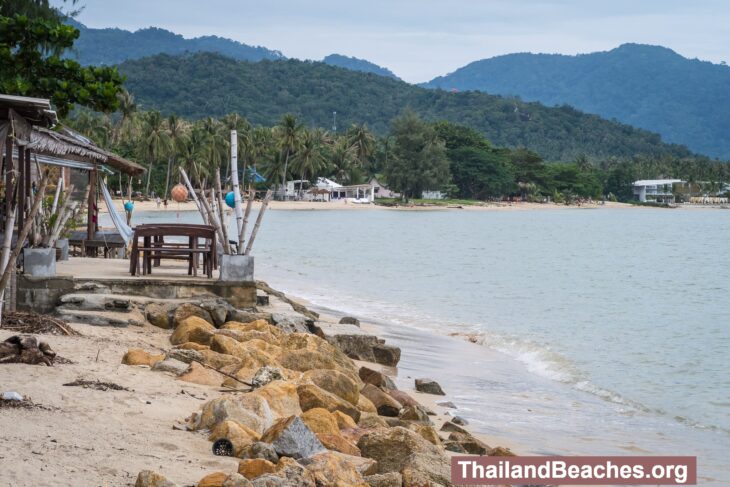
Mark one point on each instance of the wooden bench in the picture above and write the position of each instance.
(154, 247)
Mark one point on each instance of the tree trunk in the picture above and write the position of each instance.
(283, 176)
(149, 178)
(167, 178)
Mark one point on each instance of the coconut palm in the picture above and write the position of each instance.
(128, 111)
(215, 146)
(155, 141)
(363, 142)
(176, 128)
(310, 158)
(343, 157)
(288, 134)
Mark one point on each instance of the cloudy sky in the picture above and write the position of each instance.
(421, 39)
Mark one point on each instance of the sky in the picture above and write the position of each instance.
(421, 39)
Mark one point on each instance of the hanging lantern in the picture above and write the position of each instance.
(129, 206)
(231, 199)
(179, 193)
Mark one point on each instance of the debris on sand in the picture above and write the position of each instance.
(26, 349)
(24, 322)
(97, 384)
(11, 401)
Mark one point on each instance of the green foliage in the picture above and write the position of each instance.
(205, 84)
(30, 66)
(356, 64)
(684, 100)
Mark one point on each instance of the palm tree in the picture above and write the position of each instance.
(310, 158)
(128, 110)
(216, 142)
(343, 156)
(363, 142)
(176, 128)
(190, 152)
(288, 137)
(155, 141)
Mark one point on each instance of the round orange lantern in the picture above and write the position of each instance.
(179, 193)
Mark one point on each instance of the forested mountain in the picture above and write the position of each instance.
(687, 101)
(113, 46)
(356, 64)
(205, 84)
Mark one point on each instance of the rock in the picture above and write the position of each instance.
(255, 325)
(213, 480)
(447, 404)
(384, 404)
(372, 420)
(378, 379)
(454, 446)
(247, 315)
(414, 413)
(429, 386)
(338, 443)
(186, 355)
(192, 329)
(312, 396)
(335, 382)
(148, 478)
(197, 374)
(186, 310)
(192, 346)
(259, 449)
(255, 467)
(265, 375)
(390, 479)
(250, 356)
(391, 447)
(430, 468)
(289, 473)
(218, 310)
(366, 405)
(171, 365)
(237, 433)
(470, 443)
(304, 360)
(358, 346)
(292, 438)
(219, 360)
(344, 421)
(321, 421)
(365, 466)
(137, 356)
(427, 432)
(290, 323)
(449, 426)
(331, 470)
(349, 320)
(307, 341)
(459, 420)
(158, 315)
(236, 480)
(386, 355)
(248, 409)
(402, 397)
(247, 336)
(501, 451)
(354, 434)
(282, 397)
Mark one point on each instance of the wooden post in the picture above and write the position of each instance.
(236, 189)
(222, 212)
(9, 186)
(91, 205)
(21, 187)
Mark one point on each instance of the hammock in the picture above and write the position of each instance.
(124, 230)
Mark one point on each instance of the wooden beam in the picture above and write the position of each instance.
(21, 186)
(91, 205)
(9, 189)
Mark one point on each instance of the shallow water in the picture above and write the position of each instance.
(603, 331)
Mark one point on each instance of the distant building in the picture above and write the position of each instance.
(432, 195)
(655, 190)
(328, 190)
(382, 191)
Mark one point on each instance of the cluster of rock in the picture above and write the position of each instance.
(311, 416)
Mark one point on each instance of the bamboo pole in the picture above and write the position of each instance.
(7, 243)
(59, 188)
(52, 235)
(221, 210)
(193, 194)
(258, 222)
(24, 232)
(213, 220)
(236, 188)
(249, 203)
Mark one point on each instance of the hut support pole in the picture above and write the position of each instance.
(91, 205)
(9, 189)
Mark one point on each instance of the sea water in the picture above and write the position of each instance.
(598, 331)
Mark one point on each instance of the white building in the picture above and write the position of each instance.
(656, 190)
(432, 195)
(328, 190)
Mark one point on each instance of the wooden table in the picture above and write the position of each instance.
(201, 242)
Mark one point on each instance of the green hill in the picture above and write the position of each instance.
(687, 101)
(113, 46)
(206, 84)
(356, 64)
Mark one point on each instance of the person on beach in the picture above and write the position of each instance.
(157, 201)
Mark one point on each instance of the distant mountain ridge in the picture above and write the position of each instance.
(356, 64)
(207, 84)
(687, 101)
(113, 46)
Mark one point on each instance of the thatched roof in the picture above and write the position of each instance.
(35, 110)
(66, 142)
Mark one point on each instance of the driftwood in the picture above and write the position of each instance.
(29, 322)
(258, 222)
(249, 203)
(26, 349)
(221, 210)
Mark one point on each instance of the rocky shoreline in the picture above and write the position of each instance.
(295, 399)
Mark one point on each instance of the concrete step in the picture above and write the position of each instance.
(101, 318)
(111, 302)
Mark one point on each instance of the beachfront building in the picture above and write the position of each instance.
(382, 191)
(432, 195)
(655, 190)
(327, 190)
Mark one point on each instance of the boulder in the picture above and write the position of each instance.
(237, 433)
(256, 325)
(291, 323)
(338, 443)
(247, 316)
(255, 467)
(259, 449)
(391, 447)
(289, 473)
(219, 360)
(245, 336)
(470, 443)
(192, 346)
(366, 405)
(265, 375)
(321, 421)
(250, 410)
(353, 435)
(292, 438)
(414, 413)
(236, 480)
(158, 315)
(378, 379)
(335, 382)
(349, 320)
(186, 355)
(137, 356)
(500, 451)
(344, 421)
(427, 432)
(192, 329)
(197, 374)
(384, 404)
(149, 478)
(429, 386)
(223, 479)
(218, 310)
(251, 357)
(421, 469)
(372, 420)
(454, 446)
(186, 310)
(170, 365)
(282, 397)
(304, 360)
(447, 404)
(312, 396)
(402, 397)
(449, 426)
(307, 341)
(365, 466)
(331, 470)
(459, 420)
(386, 355)
(390, 479)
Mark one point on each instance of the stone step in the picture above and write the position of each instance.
(111, 302)
(101, 318)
